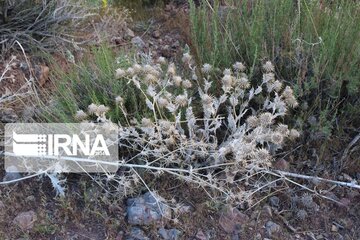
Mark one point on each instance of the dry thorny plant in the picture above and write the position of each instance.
(214, 142)
(224, 144)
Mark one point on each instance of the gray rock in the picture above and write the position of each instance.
(8, 115)
(25, 220)
(11, 174)
(169, 234)
(274, 201)
(272, 228)
(156, 34)
(231, 219)
(146, 210)
(137, 234)
(138, 42)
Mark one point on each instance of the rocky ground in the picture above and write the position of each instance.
(30, 209)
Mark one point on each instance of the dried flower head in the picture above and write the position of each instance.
(120, 73)
(207, 100)
(186, 84)
(266, 119)
(92, 108)
(102, 109)
(268, 67)
(277, 85)
(206, 68)
(119, 100)
(243, 83)
(253, 121)
(294, 134)
(277, 138)
(227, 82)
(186, 58)
(137, 68)
(181, 100)
(177, 80)
(146, 123)
(227, 71)
(80, 115)
(283, 129)
(171, 69)
(268, 77)
(150, 79)
(238, 66)
(162, 102)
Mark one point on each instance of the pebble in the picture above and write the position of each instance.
(272, 228)
(146, 210)
(231, 219)
(171, 234)
(25, 220)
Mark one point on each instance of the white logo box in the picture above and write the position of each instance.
(61, 147)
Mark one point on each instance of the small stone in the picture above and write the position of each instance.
(137, 234)
(42, 74)
(274, 201)
(156, 34)
(272, 228)
(138, 42)
(25, 220)
(200, 235)
(171, 234)
(146, 210)
(334, 228)
(130, 33)
(231, 219)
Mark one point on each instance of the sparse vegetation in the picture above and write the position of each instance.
(313, 44)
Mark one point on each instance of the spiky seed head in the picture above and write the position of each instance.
(294, 134)
(266, 119)
(137, 68)
(206, 99)
(268, 67)
(277, 138)
(171, 69)
(162, 102)
(150, 79)
(227, 71)
(92, 108)
(120, 73)
(253, 121)
(277, 86)
(130, 71)
(186, 58)
(80, 115)
(206, 68)
(177, 80)
(181, 100)
(102, 109)
(238, 66)
(268, 77)
(146, 122)
(186, 84)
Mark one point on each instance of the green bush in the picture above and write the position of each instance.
(314, 44)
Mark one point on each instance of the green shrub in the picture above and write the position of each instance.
(317, 44)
